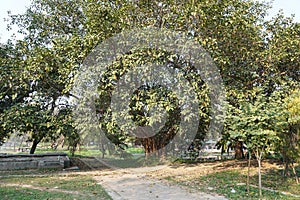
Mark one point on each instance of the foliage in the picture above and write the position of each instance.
(294, 123)
(44, 71)
(257, 121)
(13, 90)
(222, 27)
(58, 35)
(289, 145)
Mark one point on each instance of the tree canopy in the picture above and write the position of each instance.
(251, 54)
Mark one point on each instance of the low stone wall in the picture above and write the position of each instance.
(34, 161)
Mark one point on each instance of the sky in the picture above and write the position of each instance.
(19, 6)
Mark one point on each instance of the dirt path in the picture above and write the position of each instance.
(135, 184)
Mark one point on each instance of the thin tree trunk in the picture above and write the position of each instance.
(286, 171)
(21, 143)
(258, 157)
(295, 173)
(34, 145)
(248, 174)
(63, 143)
(103, 150)
(73, 149)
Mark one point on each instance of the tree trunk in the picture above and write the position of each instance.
(102, 150)
(258, 157)
(238, 148)
(295, 173)
(155, 145)
(63, 143)
(286, 171)
(248, 174)
(286, 161)
(73, 149)
(34, 145)
(150, 145)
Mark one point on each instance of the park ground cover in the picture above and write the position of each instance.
(51, 186)
(228, 178)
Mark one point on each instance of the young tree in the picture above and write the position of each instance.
(255, 122)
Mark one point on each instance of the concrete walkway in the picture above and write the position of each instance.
(136, 185)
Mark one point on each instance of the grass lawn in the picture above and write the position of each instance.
(230, 182)
(8, 193)
(52, 187)
(88, 152)
(135, 162)
(226, 178)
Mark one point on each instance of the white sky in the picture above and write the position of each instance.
(19, 6)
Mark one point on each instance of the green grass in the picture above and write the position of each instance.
(85, 185)
(85, 151)
(274, 179)
(41, 151)
(89, 152)
(224, 181)
(134, 162)
(26, 172)
(9, 193)
(134, 150)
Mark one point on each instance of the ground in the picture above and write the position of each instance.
(141, 184)
(209, 180)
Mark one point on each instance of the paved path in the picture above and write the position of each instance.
(136, 185)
